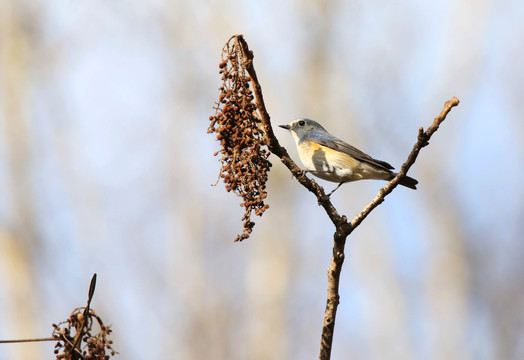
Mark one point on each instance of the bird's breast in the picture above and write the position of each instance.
(327, 163)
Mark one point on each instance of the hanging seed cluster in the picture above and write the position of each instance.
(92, 346)
(244, 151)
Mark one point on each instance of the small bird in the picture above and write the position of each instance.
(332, 159)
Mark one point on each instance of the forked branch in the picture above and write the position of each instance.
(247, 112)
(343, 231)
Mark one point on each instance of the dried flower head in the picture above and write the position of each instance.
(245, 163)
(91, 345)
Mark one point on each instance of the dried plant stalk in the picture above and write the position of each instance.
(245, 153)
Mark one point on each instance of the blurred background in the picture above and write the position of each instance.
(106, 167)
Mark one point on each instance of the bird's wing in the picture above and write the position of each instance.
(335, 143)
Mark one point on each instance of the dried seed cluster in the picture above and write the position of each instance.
(244, 151)
(92, 347)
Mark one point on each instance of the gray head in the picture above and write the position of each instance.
(301, 127)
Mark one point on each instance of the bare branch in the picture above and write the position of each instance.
(342, 227)
(26, 340)
(422, 141)
(343, 230)
(274, 145)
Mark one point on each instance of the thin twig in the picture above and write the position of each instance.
(75, 347)
(422, 141)
(26, 340)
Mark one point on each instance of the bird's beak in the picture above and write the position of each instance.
(287, 127)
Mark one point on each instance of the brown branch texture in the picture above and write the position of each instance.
(243, 127)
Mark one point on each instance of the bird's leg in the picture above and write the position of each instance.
(326, 198)
(335, 189)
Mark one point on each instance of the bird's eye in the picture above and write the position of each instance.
(301, 123)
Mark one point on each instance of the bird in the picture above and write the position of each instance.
(332, 159)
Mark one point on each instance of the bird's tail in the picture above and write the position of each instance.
(406, 181)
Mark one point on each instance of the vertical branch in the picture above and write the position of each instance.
(333, 297)
(342, 226)
(344, 229)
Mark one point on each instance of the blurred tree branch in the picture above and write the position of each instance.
(343, 228)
